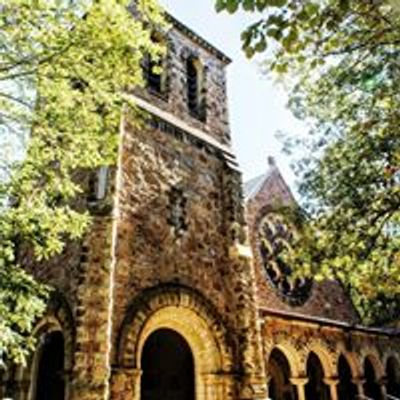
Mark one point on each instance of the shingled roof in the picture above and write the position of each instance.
(254, 185)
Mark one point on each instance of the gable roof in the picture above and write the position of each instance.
(252, 187)
(271, 178)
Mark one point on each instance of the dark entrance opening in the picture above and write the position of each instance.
(371, 388)
(50, 378)
(280, 387)
(168, 367)
(316, 388)
(347, 390)
(393, 377)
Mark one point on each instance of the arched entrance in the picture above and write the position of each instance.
(393, 377)
(187, 314)
(279, 386)
(316, 388)
(371, 387)
(50, 383)
(167, 367)
(347, 390)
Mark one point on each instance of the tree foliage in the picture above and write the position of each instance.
(64, 68)
(341, 61)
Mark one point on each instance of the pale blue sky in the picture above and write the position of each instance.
(257, 105)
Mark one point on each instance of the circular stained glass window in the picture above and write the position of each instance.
(275, 235)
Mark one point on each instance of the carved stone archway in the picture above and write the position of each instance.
(188, 314)
(280, 386)
(291, 354)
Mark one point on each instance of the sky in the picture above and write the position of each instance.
(257, 105)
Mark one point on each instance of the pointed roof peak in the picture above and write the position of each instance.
(255, 185)
(271, 161)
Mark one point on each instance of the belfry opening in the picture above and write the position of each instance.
(167, 367)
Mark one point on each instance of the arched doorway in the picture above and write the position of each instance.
(316, 388)
(393, 377)
(50, 383)
(279, 385)
(371, 388)
(347, 390)
(167, 367)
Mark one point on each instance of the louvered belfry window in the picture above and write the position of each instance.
(195, 88)
(192, 85)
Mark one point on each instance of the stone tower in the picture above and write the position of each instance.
(158, 302)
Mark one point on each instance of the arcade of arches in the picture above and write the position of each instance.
(286, 382)
(168, 360)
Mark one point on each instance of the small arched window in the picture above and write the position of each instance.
(195, 88)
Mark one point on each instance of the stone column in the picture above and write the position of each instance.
(211, 387)
(383, 383)
(67, 383)
(91, 370)
(300, 384)
(267, 382)
(125, 383)
(242, 275)
(332, 383)
(359, 382)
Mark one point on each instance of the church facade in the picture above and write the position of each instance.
(177, 292)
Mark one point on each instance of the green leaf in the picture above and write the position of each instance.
(232, 6)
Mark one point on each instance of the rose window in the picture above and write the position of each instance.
(275, 237)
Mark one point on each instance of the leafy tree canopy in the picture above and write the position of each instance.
(341, 61)
(64, 67)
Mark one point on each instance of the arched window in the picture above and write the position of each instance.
(168, 367)
(195, 88)
(347, 390)
(280, 387)
(316, 389)
(50, 384)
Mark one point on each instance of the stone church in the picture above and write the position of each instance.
(177, 292)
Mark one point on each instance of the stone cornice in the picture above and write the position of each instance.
(197, 38)
(326, 322)
(195, 134)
